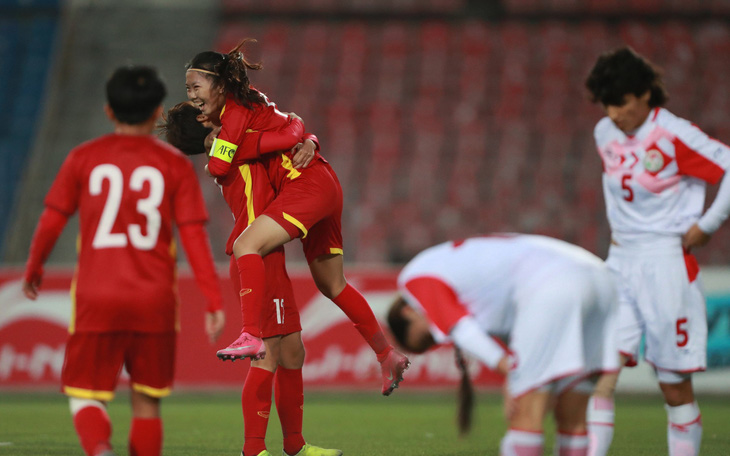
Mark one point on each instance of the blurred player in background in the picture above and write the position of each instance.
(308, 202)
(655, 170)
(248, 191)
(130, 190)
(553, 302)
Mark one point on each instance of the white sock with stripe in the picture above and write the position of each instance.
(600, 418)
(571, 444)
(684, 430)
(521, 443)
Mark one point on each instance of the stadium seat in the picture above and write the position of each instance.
(429, 122)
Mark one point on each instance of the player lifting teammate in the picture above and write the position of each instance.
(248, 192)
(308, 202)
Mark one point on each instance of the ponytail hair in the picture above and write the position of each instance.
(231, 72)
(466, 396)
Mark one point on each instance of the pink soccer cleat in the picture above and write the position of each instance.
(392, 369)
(246, 346)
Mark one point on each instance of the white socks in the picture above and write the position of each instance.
(600, 417)
(521, 443)
(571, 445)
(684, 430)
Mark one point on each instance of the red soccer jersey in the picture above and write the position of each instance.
(238, 121)
(247, 190)
(129, 190)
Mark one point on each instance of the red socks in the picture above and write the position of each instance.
(289, 396)
(93, 428)
(145, 437)
(253, 282)
(359, 312)
(256, 405)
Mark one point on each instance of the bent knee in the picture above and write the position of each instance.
(243, 246)
(330, 287)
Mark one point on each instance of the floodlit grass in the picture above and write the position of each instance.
(407, 423)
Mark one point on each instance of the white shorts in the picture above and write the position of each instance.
(565, 326)
(657, 301)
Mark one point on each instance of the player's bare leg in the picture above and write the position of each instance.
(329, 276)
(570, 418)
(145, 434)
(684, 427)
(526, 414)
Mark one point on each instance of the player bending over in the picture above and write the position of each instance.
(553, 302)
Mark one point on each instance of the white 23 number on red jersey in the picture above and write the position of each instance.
(149, 206)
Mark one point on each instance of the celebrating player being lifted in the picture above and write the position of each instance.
(308, 202)
(553, 302)
(656, 167)
(130, 189)
(248, 192)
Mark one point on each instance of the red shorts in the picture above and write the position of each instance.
(280, 315)
(310, 206)
(94, 361)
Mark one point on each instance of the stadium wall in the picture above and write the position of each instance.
(32, 338)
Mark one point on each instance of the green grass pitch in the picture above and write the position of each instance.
(407, 423)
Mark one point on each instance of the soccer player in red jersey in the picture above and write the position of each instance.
(130, 190)
(308, 201)
(248, 191)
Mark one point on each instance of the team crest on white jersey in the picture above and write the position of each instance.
(653, 160)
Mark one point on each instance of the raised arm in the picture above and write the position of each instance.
(253, 145)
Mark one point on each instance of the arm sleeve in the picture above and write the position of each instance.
(188, 203)
(718, 212)
(49, 228)
(195, 241)
(252, 145)
(697, 154)
(283, 139)
(65, 191)
(256, 143)
(468, 336)
(438, 300)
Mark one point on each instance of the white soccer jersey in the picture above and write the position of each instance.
(484, 271)
(654, 181)
(542, 294)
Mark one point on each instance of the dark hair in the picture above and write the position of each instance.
(231, 71)
(400, 326)
(134, 92)
(465, 411)
(397, 323)
(621, 72)
(182, 129)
